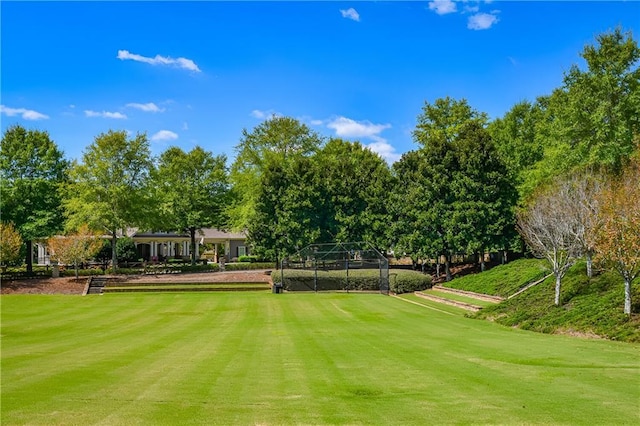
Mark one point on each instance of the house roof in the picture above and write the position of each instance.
(205, 233)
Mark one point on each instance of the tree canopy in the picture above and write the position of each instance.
(32, 171)
(109, 189)
(192, 191)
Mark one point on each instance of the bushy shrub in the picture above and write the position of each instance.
(401, 281)
(71, 272)
(126, 250)
(247, 258)
(244, 266)
(209, 267)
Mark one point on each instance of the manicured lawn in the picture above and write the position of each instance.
(261, 358)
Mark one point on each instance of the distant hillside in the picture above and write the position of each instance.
(503, 280)
(588, 307)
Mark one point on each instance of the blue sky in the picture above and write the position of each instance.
(198, 73)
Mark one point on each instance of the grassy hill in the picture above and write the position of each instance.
(502, 280)
(588, 307)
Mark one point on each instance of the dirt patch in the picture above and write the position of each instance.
(69, 285)
(64, 285)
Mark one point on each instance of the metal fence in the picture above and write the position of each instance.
(336, 266)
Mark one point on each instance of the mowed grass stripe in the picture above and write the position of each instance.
(256, 358)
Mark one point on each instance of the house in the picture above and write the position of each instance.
(163, 245)
(159, 245)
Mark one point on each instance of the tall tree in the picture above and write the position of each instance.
(618, 234)
(193, 191)
(353, 184)
(276, 140)
(549, 229)
(109, 189)
(442, 121)
(484, 195)
(32, 171)
(592, 119)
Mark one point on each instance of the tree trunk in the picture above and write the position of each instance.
(114, 255)
(627, 296)
(29, 257)
(504, 257)
(589, 264)
(75, 265)
(447, 269)
(483, 267)
(192, 234)
(557, 298)
(438, 266)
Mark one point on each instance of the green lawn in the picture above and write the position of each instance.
(262, 358)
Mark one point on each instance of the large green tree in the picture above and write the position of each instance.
(592, 120)
(353, 184)
(193, 191)
(276, 140)
(109, 188)
(32, 171)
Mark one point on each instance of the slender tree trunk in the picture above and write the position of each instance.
(192, 234)
(504, 257)
(75, 265)
(29, 257)
(483, 267)
(447, 269)
(627, 296)
(557, 298)
(114, 255)
(589, 264)
(438, 266)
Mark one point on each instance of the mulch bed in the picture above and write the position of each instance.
(69, 285)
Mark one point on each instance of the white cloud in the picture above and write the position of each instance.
(26, 114)
(164, 135)
(148, 107)
(159, 60)
(264, 115)
(442, 7)
(349, 128)
(385, 150)
(105, 114)
(350, 13)
(482, 21)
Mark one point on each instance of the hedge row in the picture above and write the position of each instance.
(246, 266)
(362, 280)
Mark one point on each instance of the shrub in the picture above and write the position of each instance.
(248, 258)
(70, 272)
(248, 266)
(401, 281)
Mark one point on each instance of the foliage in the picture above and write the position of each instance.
(592, 120)
(10, 244)
(192, 190)
(32, 170)
(618, 236)
(408, 281)
(126, 250)
(75, 248)
(247, 258)
(275, 141)
(589, 307)
(109, 189)
(454, 193)
(503, 280)
(244, 266)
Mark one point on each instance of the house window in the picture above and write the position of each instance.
(242, 251)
